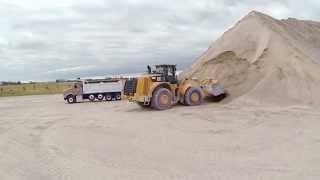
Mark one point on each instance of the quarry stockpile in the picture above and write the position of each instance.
(265, 60)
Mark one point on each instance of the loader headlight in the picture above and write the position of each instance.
(156, 78)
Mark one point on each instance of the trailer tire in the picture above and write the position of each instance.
(161, 99)
(118, 96)
(193, 97)
(100, 97)
(108, 97)
(92, 97)
(71, 99)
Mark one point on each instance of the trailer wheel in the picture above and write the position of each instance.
(108, 97)
(161, 99)
(118, 96)
(71, 99)
(193, 97)
(92, 97)
(100, 97)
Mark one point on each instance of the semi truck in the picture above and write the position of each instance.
(94, 90)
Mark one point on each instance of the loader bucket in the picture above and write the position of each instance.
(213, 89)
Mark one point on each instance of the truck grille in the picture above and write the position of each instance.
(130, 87)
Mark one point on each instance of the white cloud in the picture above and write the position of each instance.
(71, 69)
(42, 39)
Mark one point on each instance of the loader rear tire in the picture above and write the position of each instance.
(193, 97)
(161, 99)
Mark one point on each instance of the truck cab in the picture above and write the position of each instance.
(72, 93)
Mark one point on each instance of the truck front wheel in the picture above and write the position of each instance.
(71, 99)
(161, 99)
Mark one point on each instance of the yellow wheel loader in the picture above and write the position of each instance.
(160, 89)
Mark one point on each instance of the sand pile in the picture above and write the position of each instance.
(266, 60)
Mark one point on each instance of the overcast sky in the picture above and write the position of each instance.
(48, 40)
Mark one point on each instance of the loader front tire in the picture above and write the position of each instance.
(161, 99)
(193, 97)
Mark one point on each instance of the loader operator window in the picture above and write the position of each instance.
(159, 70)
(171, 75)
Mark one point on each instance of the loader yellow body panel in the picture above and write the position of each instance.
(161, 89)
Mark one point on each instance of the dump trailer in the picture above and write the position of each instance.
(94, 89)
(160, 89)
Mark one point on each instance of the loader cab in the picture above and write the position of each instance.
(167, 72)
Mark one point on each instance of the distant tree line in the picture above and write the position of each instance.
(64, 80)
(4, 83)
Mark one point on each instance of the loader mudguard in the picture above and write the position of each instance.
(186, 84)
(156, 85)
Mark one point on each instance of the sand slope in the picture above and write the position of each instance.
(265, 60)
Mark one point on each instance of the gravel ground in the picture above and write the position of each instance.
(41, 137)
